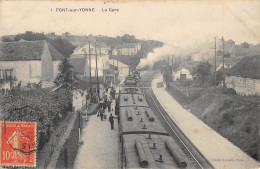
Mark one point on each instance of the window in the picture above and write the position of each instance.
(1, 74)
(3, 92)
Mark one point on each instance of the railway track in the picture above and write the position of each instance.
(196, 158)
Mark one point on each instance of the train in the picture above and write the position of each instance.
(145, 143)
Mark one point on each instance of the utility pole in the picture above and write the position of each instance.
(97, 69)
(215, 62)
(223, 61)
(117, 69)
(89, 65)
(168, 62)
(172, 63)
(97, 72)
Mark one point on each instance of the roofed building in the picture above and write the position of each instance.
(126, 49)
(31, 61)
(244, 77)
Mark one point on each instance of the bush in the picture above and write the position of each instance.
(228, 91)
(39, 106)
(228, 117)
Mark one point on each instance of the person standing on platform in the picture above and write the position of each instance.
(111, 121)
(101, 102)
(109, 105)
(102, 111)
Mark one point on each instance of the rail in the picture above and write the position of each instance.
(175, 132)
(193, 152)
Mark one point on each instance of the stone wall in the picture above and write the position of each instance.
(243, 86)
(69, 150)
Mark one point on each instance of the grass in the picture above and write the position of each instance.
(234, 117)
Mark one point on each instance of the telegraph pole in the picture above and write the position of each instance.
(223, 61)
(168, 62)
(117, 69)
(215, 62)
(89, 65)
(97, 69)
(172, 63)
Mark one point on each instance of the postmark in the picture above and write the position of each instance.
(18, 144)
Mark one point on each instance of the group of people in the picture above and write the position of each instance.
(106, 102)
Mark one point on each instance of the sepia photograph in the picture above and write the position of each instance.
(118, 84)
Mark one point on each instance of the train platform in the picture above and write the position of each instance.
(100, 144)
(217, 150)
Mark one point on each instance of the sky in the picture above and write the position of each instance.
(179, 23)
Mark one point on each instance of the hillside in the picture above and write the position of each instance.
(131, 60)
(234, 117)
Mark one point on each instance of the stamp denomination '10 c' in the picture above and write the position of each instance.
(18, 144)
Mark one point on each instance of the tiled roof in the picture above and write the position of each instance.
(248, 67)
(78, 64)
(26, 50)
(56, 55)
(29, 50)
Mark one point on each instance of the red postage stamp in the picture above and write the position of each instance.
(18, 144)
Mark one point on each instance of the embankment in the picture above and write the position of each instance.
(234, 117)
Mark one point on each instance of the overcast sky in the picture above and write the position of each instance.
(178, 23)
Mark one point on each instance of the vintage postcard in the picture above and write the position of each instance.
(130, 84)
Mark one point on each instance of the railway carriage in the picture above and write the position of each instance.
(135, 120)
(145, 142)
(152, 151)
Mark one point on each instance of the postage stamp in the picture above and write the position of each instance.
(18, 144)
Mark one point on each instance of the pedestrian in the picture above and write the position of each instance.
(118, 119)
(111, 121)
(102, 111)
(101, 103)
(117, 107)
(105, 102)
(109, 105)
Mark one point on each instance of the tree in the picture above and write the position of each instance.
(7, 39)
(30, 36)
(66, 34)
(219, 77)
(202, 73)
(66, 74)
(245, 45)
(63, 46)
(167, 76)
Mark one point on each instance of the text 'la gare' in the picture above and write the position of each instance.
(110, 10)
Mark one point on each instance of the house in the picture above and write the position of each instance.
(82, 68)
(244, 77)
(122, 68)
(79, 95)
(31, 62)
(88, 50)
(111, 75)
(6, 80)
(182, 73)
(126, 49)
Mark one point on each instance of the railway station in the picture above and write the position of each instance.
(130, 84)
(153, 130)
